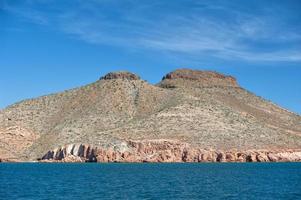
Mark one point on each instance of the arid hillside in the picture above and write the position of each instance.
(123, 118)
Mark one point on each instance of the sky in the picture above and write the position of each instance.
(48, 46)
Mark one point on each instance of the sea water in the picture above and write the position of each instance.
(150, 181)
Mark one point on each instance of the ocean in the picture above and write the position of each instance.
(150, 181)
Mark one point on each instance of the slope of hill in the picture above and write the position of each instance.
(189, 116)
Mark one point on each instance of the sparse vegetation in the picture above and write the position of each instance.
(208, 111)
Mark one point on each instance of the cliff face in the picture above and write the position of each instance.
(198, 112)
(179, 77)
(164, 151)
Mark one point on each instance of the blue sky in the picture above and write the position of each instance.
(48, 46)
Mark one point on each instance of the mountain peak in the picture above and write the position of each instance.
(120, 75)
(191, 116)
(209, 78)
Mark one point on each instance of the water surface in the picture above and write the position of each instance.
(151, 181)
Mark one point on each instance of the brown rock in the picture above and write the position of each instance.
(120, 75)
(230, 157)
(72, 159)
(221, 157)
(272, 157)
(251, 157)
(204, 110)
(162, 151)
(241, 157)
(206, 77)
(262, 157)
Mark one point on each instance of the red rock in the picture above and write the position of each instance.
(230, 157)
(251, 157)
(221, 157)
(205, 77)
(162, 151)
(262, 157)
(272, 157)
(241, 157)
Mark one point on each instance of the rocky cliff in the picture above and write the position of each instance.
(190, 116)
(164, 151)
(197, 78)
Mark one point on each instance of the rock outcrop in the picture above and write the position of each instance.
(164, 151)
(190, 116)
(120, 75)
(14, 139)
(203, 78)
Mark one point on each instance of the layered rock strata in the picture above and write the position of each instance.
(164, 151)
(178, 78)
(190, 116)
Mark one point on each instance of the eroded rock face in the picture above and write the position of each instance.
(14, 139)
(120, 75)
(85, 152)
(163, 151)
(205, 109)
(205, 78)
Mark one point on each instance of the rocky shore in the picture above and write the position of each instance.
(189, 116)
(164, 151)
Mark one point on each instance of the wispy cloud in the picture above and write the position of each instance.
(26, 13)
(222, 30)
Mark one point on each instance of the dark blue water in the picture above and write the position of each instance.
(151, 181)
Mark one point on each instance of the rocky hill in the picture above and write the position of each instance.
(190, 116)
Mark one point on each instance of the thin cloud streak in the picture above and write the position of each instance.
(195, 32)
(26, 14)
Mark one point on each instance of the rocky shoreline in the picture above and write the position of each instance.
(164, 151)
(189, 116)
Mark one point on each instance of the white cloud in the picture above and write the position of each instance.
(26, 14)
(196, 32)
